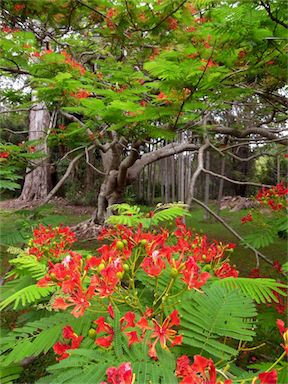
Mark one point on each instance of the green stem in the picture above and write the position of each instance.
(277, 361)
(165, 293)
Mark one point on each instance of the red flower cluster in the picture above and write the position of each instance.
(246, 219)
(73, 63)
(4, 155)
(172, 23)
(182, 253)
(163, 333)
(18, 7)
(275, 197)
(109, 16)
(202, 371)
(51, 242)
(81, 94)
(121, 375)
(61, 348)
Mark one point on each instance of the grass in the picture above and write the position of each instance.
(243, 257)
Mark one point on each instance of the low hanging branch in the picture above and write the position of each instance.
(235, 181)
(236, 234)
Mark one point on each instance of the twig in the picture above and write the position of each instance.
(91, 165)
(235, 181)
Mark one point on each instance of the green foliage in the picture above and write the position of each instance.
(216, 313)
(259, 290)
(131, 215)
(10, 373)
(39, 336)
(90, 365)
(268, 232)
(26, 296)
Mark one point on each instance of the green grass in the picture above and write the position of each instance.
(243, 257)
(17, 226)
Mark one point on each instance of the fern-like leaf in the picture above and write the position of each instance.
(27, 264)
(216, 313)
(10, 373)
(260, 290)
(26, 296)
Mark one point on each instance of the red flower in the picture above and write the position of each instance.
(18, 7)
(132, 338)
(75, 341)
(154, 264)
(226, 271)
(128, 320)
(254, 273)
(4, 155)
(277, 266)
(121, 375)
(6, 29)
(191, 29)
(111, 311)
(202, 371)
(162, 96)
(32, 149)
(284, 334)
(102, 326)
(81, 94)
(192, 274)
(268, 377)
(164, 333)
(246, 219)
(172, 23)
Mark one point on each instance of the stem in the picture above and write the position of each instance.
(277, 361)
(165, 293)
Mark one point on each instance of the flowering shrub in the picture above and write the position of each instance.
(272, 222)
(140, 307)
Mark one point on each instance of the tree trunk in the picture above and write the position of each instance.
(36, 184)
(207, 186)
(221, 185)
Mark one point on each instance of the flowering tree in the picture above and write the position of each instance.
(117, 75)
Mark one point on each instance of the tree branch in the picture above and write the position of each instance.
(161, 153)
(230, 229)
(235, 181)
(272, 17)
(199, 169)
(65, 176)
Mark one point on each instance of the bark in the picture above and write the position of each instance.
(207, 186)
(36, 184)
(221, 186)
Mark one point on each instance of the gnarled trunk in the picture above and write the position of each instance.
(36, 184)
